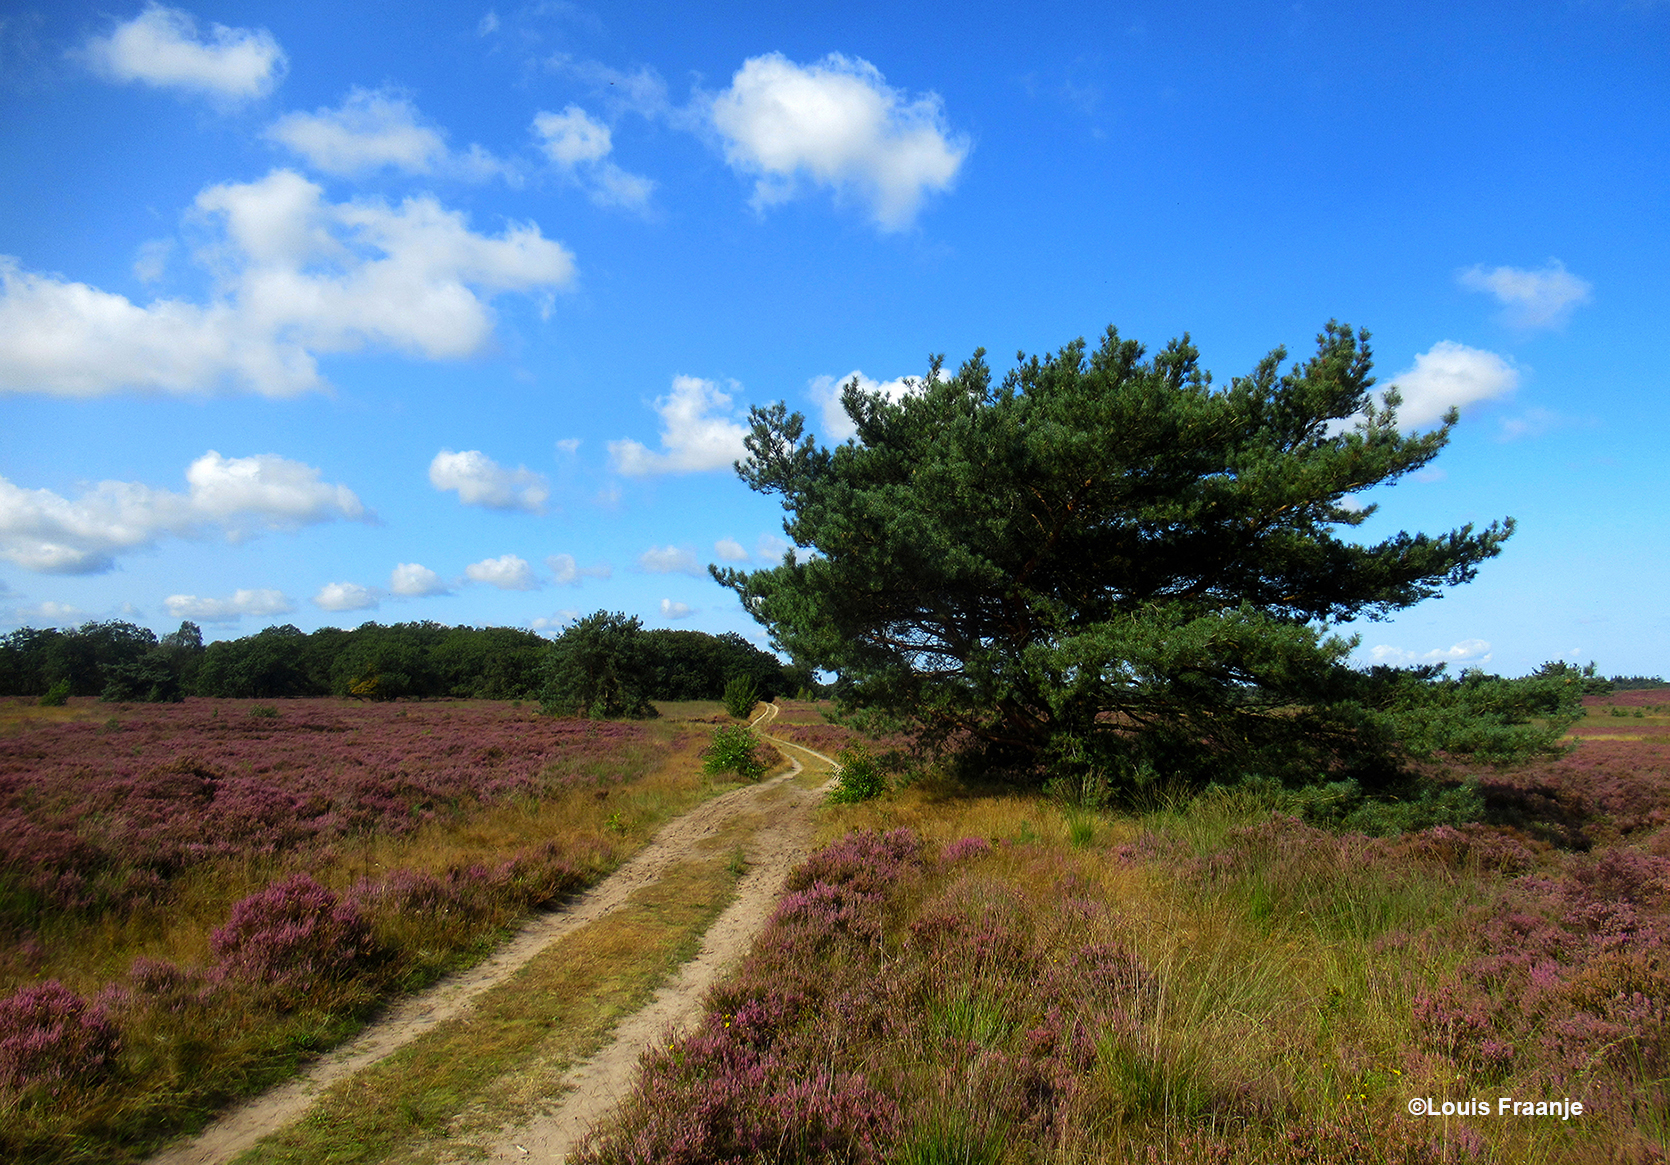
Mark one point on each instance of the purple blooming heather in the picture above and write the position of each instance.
(964, 849)
(94, 819)
(1575, 966)
(49, 1034)
(290, 937)
(708, 1099)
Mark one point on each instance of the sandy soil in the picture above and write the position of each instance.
(595, 1086)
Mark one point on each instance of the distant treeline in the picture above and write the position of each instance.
(122, 661)
(1636, 683)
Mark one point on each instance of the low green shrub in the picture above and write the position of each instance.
(734, 750)
(861, 777)
(1344, 807)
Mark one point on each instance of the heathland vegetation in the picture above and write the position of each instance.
(990, 976)
(195, 896)
(1126, 862)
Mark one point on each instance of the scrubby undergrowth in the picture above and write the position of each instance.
(1006, 979)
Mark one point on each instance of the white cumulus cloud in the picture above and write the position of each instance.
(297, 277)
(507, 572)
(1451, 375)
(826, 390)
(837, 124)
(771, 548)
(481, 481)
(1543, 298)
(568, 572)
(675, 610)
(374, 128)
(554, 622)
(345, 596)
(241, 496)
(262, 603)
(730, 550)
(579, 146)
(269, 491)
(415, 580)
(669, 560)
(572, 137)
(162, 47)
(49, 614)
(1473, 651)
(695, 433)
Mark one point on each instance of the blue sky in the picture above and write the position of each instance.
(326, 313)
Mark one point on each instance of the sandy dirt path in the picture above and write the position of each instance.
(596, 1086)
(779, 843)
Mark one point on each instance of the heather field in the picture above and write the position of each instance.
(200, 896)
(977, 977)
(195, 897)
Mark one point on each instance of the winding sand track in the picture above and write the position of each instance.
(595, 1086)
(604, 1080)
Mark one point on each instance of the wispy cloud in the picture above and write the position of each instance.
(1544, 298)
(578, 146)
(553, 622)
(374, 129)
(49, 614)
(669, 560)
(1467, 651)
(768, 549)
(567, 571)
(262, 603)
(730, 550)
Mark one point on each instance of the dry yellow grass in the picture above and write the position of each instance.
(1307, 1013)
(18, 714)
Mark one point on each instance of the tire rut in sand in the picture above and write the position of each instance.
(598, 1085)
